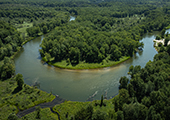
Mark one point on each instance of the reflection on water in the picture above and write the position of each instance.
(77, 85)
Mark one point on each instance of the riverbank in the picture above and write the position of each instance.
(83, 66)
(78, 84)
(19, 48)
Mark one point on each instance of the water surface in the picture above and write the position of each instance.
(77, 85)
(72, 18)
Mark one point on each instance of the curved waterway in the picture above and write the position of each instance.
(77, 85)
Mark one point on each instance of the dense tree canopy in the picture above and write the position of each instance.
(148, 90)
(9, 40)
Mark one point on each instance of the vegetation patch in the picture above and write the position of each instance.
(83, 65)
(69, 109)
(11, 99)
(6, 110)
(22, 28)
(44, 114)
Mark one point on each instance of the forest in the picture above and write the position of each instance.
(103, 32)
(92, 35)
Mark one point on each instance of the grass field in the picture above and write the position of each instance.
(82, 65)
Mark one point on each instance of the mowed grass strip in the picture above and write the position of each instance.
(82, 65)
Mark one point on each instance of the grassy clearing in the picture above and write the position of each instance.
(28, 97)
(70, 107)
(45, 114)
(82, 65)
(22, 28)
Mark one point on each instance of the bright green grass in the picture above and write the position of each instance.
(26, 98)
(82, 65)
(45, 114)
(71, 108)
(168, 27)
(22, 27)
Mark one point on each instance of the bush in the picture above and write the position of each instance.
(12, 116)
(159, 44)
(158, 37)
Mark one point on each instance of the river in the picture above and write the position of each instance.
(77, 85)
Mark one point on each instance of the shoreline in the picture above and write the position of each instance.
(87, 68)
(19, 48)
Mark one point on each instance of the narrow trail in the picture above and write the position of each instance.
(51, 104)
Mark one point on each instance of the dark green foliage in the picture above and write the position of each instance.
(101, 102)
(160, 44)
(152, 115)
(98, 115)
(88, 114)
(9, 40)
(123, 82)
(162, 33)
(134, 70)
(20, 81)
(45, 29)
(84, 113)
(148, 91)
(122, 98)
(6, 68)
(166, 112)
(158, 37)
(130, 90)
(33, 31)
(120, 115)
(86, 44)
(74, 55)
(12, 116)
(134, 111)
(166, 41)
(38, 109)
(168, 49)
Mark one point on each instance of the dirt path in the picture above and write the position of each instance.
(51, 104)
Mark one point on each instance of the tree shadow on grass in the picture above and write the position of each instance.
(74, 64)
(16, 90)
